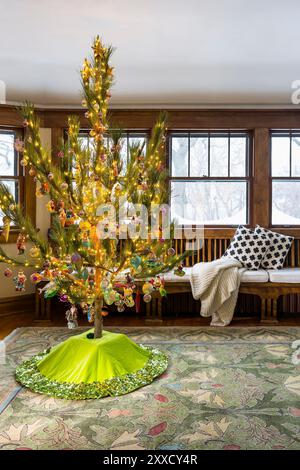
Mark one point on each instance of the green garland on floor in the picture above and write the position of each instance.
(29, 375)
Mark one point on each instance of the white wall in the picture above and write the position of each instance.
(43, 223)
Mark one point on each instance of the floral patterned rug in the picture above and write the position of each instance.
(225, 388)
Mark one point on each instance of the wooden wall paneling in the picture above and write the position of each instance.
(15, 305)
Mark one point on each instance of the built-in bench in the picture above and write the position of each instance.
(269, 285)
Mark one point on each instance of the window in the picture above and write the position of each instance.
(285, 170)
(209, 177)
(11, 172)
(129, 138)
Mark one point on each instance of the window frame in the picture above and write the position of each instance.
(283, 133)
(248, 178)
(26, 190)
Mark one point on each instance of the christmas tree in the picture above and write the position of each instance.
(107, 243)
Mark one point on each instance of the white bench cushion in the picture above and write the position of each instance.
(260, 275)
(290, 275)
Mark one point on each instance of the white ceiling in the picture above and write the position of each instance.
(174, 52)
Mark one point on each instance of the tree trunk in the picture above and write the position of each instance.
(98, 322)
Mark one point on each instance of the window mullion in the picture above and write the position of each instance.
(228, 154)
(208, 154)
(290, 153)
(189, 154)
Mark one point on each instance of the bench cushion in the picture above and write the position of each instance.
(248, 276)
(290, 275)
(260, 275)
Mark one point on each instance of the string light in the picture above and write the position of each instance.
(93, 181)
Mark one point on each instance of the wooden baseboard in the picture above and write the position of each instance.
(12, 305)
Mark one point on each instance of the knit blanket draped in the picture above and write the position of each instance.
(216, 284)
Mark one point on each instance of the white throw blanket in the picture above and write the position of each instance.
(216, 284)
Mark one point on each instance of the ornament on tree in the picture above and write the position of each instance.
(68, 259)
(115, 169)
(35, 252)
(51, 207)
(6, 228)
(36, 278)
(71, 316)
(89, 311)
(45, 188)
(64, 298)
(104, 312)
(20, 281)
(157, 282)
(62, 216)
(85, 226)
(21, 243)
(120, 306)
(147, 288)
(70, 218)
(76, 258)
(86, 243)
(179, 271)
(162, 291)
(91, 278)
(129, 301)
(8, 272)
(19, 146)
(116, 191)
(147, 298)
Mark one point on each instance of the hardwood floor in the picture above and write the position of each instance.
(8, 323)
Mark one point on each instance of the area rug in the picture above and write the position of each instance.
(225, 388)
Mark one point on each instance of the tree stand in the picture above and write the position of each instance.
(82, 368)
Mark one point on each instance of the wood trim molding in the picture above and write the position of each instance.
(17, 304)
(187, 119)
(178, 118)
(10, 116)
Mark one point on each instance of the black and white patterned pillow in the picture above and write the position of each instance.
(277, 252)
(248, 247)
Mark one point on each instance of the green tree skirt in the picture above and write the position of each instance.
(81, 368)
